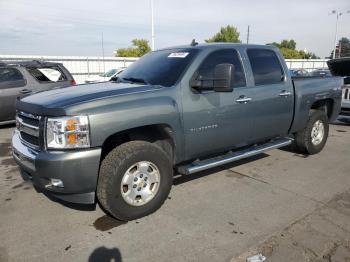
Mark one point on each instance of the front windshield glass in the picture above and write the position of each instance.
(109, 73)
(160, 67)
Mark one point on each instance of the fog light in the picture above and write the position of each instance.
(56, 182)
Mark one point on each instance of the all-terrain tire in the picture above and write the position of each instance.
(303, 139)
(117, 163)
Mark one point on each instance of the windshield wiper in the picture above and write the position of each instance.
(135, 80)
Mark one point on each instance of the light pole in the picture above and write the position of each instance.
(338, 14)
(152, 25)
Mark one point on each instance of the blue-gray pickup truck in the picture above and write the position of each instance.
(178, 110)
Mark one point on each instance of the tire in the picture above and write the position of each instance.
(125, 163)
(304, 141)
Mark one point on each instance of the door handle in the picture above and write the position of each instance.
(25, 91)
(243, 100)
(285, 94)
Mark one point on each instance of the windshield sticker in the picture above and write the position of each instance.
(179, 54)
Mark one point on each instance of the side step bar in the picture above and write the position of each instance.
(198, 166)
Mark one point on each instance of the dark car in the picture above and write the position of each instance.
(20, 79)
(321, 73)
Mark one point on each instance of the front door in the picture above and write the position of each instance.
(215, 121)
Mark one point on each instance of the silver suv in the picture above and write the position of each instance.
(20, 79)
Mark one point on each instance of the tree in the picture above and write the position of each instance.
(226, 34)
(288, 50)
(140, 48)
(343, 48)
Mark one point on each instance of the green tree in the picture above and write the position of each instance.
(226, 34)
(140, 48)
(289, 51)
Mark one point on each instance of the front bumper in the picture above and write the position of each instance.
(78, 170)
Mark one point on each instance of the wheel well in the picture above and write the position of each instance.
(160, 134)
(325, 105)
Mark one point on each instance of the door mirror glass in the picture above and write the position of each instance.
(223, 77)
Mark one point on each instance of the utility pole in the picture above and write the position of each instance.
(152, 25)
(248, 32)
(338, 14)
(103, 54)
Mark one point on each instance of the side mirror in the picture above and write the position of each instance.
(223, 77)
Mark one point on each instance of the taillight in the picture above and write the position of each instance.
(73, 83)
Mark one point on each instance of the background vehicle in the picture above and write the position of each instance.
(341, 67)
(104, 77)
(20, 79)
(299, 73)
(187, 108)
(321, 73)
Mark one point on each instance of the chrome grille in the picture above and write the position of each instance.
(28, 128)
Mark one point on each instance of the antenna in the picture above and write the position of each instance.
(194, 43)
(103, 54)
(248, 33)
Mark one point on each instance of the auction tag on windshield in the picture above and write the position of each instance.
(179, 54)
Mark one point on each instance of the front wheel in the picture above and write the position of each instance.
(135, 179)
(313, 137)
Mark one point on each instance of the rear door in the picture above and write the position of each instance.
(272, 94)
(12, 85)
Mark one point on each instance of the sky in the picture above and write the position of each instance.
(75, 27)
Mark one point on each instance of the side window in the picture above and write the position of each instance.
(10, 74)
(266, 67)
(47, 74)
(226, 56)
(11, 78)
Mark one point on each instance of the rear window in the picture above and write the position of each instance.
(47, 74)
(265, 66)
(10, 74)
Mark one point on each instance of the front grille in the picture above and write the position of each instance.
(28, 127)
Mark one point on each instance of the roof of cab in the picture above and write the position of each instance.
(219, 45)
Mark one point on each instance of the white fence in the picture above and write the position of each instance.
(81, 67)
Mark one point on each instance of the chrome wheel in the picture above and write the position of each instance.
(140, 183)
(317, 133)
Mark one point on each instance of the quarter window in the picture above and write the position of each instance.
(226, 56)
(266, 67)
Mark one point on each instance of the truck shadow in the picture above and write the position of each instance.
(181, 179)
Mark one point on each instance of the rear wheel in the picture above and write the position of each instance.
(135, 179)
(313, 137)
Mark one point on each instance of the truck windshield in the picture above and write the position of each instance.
(162, 68)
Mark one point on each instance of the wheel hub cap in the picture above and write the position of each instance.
(317, 133)
(140, 183)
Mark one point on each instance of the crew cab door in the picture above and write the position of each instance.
(213, 121)
(272, 94)
(12, 85)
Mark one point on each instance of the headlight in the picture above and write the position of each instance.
(68, 132)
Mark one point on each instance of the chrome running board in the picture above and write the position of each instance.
(201, 165)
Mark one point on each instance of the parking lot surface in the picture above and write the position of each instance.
(288, 206)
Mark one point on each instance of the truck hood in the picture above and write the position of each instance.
(52, 101)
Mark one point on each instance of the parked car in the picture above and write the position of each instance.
(104, 77)
(299, 73)
(341, 67)
(321, 73)
(187, 108)
(20, 79)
